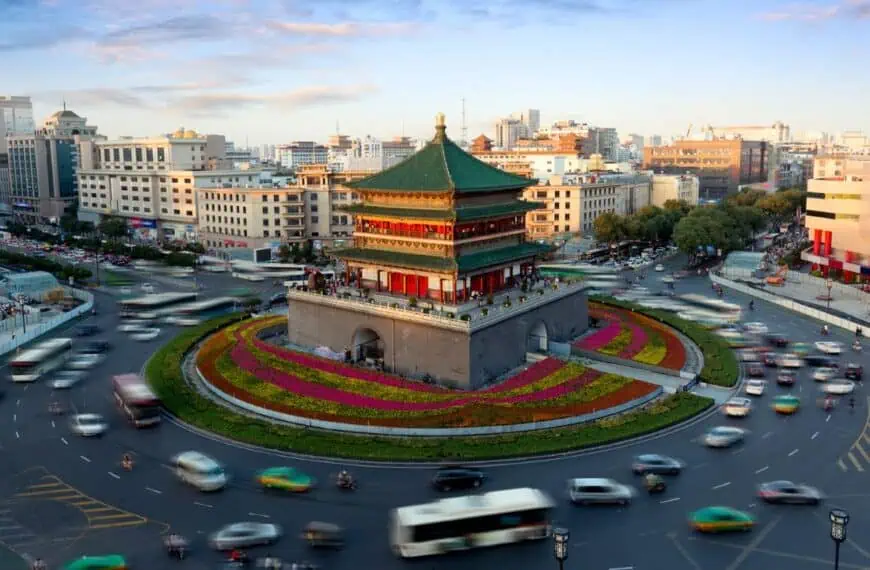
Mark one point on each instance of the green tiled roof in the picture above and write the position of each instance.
(459, 214)
(441, 166)
(465, 263)
(503, 255)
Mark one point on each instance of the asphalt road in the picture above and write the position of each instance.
(64, 496)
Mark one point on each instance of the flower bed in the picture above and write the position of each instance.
(633, 336)
(238, 362)
(164, 373)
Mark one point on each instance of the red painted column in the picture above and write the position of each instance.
(817, 241)
(828, 243)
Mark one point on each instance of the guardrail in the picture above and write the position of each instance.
(51, 324)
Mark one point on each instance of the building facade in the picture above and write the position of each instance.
(838, 211)
(776, 133)
(16, 117)
(326, 194)
(5, 183)
(721, 165)
(250, 217)
(679, 187)
(42, 175)
(300, 153)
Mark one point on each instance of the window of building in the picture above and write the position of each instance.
(161, 154)
(128, 155)
(265, 222)
(265, 233)
(116, 154)
(315, 219)
(265, 209)
(138, 154)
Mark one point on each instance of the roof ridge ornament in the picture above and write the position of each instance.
(440, 128)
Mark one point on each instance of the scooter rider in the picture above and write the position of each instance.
(344, 479)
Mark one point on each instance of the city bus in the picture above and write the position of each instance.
(40, 359)
(136, 400)
(153, 303)
(207, 307)
(712, 305)
(473, 521)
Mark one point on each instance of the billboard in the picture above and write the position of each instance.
(138, 223)
(263, 255)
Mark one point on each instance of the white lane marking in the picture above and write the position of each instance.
(155, 491)
(17, 403)
(206, 505)
(666, 501)
(14, 417)
(762, 470)
(737, 452)
(827, 419)
(259, 515)
(65, 442)
(623, 568)
(793, 452)
(17, 435)
(815, 435)
(26, 386)
(767, 435)
(800, 388)
(85, 459)
(52, 423)
(115, 475)
(722, 485)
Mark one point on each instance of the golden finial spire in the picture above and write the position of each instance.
(440, 127)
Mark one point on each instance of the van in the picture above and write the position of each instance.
(200, 471)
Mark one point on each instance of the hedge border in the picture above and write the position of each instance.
(164, 372)
(720, 363)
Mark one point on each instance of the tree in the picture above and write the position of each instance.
(678, 206)
(113, 227)
(16, 228)
(284, 253)
(690, 234)
(609, 228)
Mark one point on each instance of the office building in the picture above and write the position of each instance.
(721, 165)
(531, 118)
(299, 153)
(679, 187)
(775, 134)
(5, 184)
(16, 117)
(325, 196)
(508, 131)
(370, 154)
(837, 216)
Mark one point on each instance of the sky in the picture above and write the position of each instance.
(273, 71)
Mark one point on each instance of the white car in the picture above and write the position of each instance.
(133, 326)
(145, 334)
(67, 379)
(829, 347)
(148, 288)
(724, 436)
(839, 387)
(244, 535)
(89, 425)
(755, 387)
(587, 491)
(749, 356)
(729, 332)
(756, 328)
(182, 321)
(824, 374)
(84, 361)
(737, 407)
(789, 361)
(660, 267)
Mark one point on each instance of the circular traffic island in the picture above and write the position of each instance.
(247, 388)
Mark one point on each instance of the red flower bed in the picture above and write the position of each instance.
(642, 328)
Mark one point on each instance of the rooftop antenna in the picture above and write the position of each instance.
(337, 130)
(64, 104)
(464, 125)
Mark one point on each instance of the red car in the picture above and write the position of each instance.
(786, 378)
(755, 370)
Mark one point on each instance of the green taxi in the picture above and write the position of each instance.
(285, 479)
(786, 404)
(109, 562)
(720, 519)
(800, 348)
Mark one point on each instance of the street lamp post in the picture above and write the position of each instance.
(560, 545)
(830, 285)
(839, 520)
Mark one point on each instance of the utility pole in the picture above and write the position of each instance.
(464, 125)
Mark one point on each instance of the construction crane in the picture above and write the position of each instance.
(689, 130)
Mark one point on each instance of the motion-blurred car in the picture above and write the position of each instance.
(660, 267)
(88, 425)
(800, 348)
(829, 347)
(148, 288)
(854, 371)
(756, 328)
(601, 491)
(453, 478)
(133, 326)
(788, 492)
(96, 347)
(724, 436)
(770, 359)
(786, 404)
(755, 387)
(200, 471)
(87, 330)
(145, 335)
(737, 407)
(786, 378)
(67, 379)
(820, 361)
(720, 519)
(244, 535)
(790, 360)
(778, 340)
(84, 361)
(824, 374)
(838, 387)
(285, 479)
(108, 562)
(656, 464)
(755, 370)
(750, 356)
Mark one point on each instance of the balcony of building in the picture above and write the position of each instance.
(293, 211)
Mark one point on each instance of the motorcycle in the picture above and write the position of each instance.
(346, 484)
(856, 346)
(176, 547)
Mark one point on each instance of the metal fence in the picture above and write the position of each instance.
(47, 325)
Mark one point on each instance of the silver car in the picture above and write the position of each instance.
(724, 436)
(590, 491)
(658, 464)
(788, 492)
(245, 534)
(67, 379)
(88, 425)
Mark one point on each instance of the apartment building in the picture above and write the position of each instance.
(721, 165)
(250, 217)
(838, 210)
(776, 133)
(679, 187)
(300, 153)
(572, 202)
(324, 194)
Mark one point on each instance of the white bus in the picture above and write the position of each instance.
(41, 359)
(153, 303)
(207, 307)
(473, 521)
(712, 305)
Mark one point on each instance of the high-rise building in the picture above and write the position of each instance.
(16, 117)
(508, 131)
(531, 118)
(653, 140)
(679, 187)
(299, 153)
(5, 185)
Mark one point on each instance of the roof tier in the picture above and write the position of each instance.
(462, 264)
(467, 213)
(441, 166)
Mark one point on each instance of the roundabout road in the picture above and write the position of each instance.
(63, 496)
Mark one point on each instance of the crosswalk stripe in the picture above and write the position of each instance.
(44, 485)
(9, 537)
(118, 516)
(862, 452)
(44, 492)
(855, 462)
(98, 510)
(84, 503)
(117, 524)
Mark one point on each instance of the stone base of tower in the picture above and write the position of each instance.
(451, 351)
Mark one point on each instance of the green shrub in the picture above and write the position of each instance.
(165, 375)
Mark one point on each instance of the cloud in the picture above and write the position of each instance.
(341, 30)
(288, 101)
(850, 9)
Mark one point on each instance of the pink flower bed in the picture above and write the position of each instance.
(601, 338)
(638, 341)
